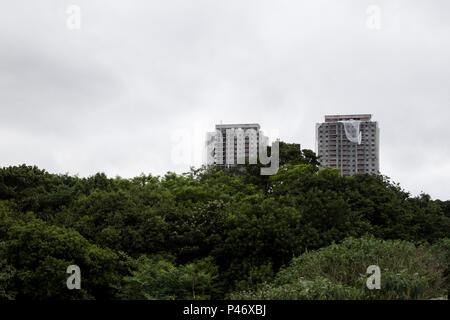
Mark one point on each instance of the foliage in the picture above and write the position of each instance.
(339, 272)
(159, 278)
(40, 254)
(236, 227)
(7, 273)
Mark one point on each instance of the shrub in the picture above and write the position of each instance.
(339, 272)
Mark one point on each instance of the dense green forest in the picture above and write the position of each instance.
(214, 233)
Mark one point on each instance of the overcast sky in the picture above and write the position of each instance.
(142, 81)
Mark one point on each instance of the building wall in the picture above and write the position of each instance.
(335, 150)
(243, 144)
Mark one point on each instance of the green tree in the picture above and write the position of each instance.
(159, 278)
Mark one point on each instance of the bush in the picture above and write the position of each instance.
(7, 273)
(339, 272)
(159, 278)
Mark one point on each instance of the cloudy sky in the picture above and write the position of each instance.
(140, 82)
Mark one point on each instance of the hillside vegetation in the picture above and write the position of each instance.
(213, 234)
(338, 271)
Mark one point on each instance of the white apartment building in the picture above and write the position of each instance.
(233, 144)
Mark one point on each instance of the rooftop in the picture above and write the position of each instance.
(241, 125)
(343, 117)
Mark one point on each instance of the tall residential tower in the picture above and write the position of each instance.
(231, 144)
(349, 143)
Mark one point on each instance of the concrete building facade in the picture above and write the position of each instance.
(231, 144)
(350, 143)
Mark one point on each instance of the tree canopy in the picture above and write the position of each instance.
(203, 234)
